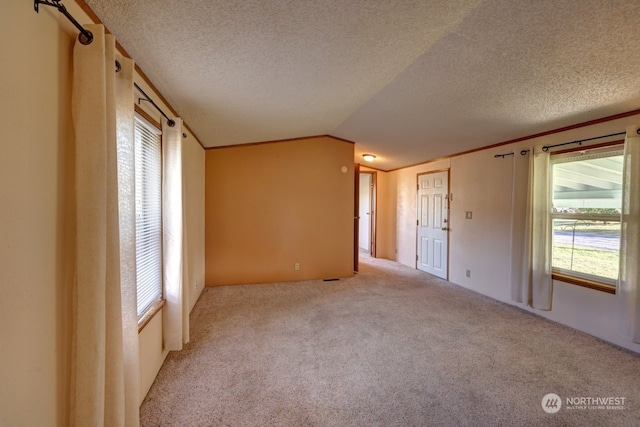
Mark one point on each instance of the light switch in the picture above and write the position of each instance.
(468, 215)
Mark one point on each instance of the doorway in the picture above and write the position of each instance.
(433, 223)
(367, 213)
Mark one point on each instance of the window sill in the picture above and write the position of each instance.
(149, 314)
(584, 283)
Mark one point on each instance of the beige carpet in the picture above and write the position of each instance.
(391, 346)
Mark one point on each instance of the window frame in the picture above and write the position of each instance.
(146, 120)
(568, 276)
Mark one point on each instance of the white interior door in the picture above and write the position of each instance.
(433, 223)
(364, 239)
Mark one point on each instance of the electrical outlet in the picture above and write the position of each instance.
(468, 273)
(296, 266)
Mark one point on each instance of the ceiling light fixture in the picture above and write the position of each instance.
(368, 157)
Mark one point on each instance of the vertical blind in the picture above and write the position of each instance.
(148, 199)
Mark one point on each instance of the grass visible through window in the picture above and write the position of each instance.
(587, 247)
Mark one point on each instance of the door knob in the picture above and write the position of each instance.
(444, 228)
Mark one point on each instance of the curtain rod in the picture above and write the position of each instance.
(580, 141)
(170, 122)
(85, 37)
(502, 156)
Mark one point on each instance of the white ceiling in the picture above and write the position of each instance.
(406, 80)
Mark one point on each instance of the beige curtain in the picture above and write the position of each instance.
(520, 252)
(540, 278)
(105, 373)
(531, 274)
(176, 313)
(629, 289)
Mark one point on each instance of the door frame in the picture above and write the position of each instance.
(373, 210)
(449, 199)
(373, 218)
(356, 216)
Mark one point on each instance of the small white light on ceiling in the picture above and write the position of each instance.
(368, 157)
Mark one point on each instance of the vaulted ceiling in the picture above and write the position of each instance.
(408, 81)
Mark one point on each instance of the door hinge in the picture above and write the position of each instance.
(417, 222)
(417, 258)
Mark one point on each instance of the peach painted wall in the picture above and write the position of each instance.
(270, 206)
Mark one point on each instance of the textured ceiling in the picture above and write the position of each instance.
(408, 81)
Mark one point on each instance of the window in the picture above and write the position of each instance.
(148, 211)
(586, 206)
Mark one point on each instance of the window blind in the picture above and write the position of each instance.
(148, 199)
